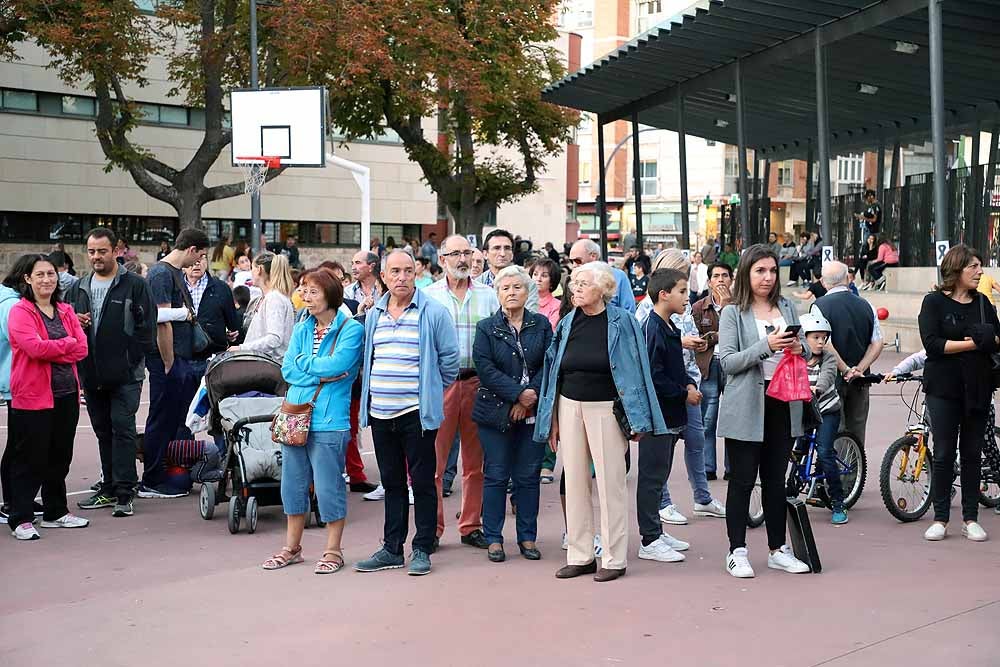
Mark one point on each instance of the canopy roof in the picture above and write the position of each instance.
(877, 72)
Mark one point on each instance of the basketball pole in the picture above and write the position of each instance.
(362, 176)
(255, 227)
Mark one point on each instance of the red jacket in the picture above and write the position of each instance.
(34, 354)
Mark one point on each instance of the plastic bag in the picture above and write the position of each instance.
(791, 380)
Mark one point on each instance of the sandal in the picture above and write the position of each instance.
(324, 566)
(283, 558)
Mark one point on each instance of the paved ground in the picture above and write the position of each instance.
(167, 588)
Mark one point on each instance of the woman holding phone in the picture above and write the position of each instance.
(755, 332)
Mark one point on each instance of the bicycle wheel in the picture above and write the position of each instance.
(989, 489)
(906, 491)
(755, 519)
(853, 463)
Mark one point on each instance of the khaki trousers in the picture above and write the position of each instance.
(589, 432)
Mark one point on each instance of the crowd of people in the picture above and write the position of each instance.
(503, 358)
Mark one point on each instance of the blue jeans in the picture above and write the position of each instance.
(711, 389)
(694, 459)
(320, 463)
(170, 395)
(512, 455)
(828, 465)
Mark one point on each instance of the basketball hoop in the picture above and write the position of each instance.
(255, 171)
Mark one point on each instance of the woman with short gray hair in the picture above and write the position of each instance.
(509, 354)
(598, 359)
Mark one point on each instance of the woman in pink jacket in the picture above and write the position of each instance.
(47, 341)
(888, 257)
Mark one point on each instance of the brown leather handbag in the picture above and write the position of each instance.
(290, 425)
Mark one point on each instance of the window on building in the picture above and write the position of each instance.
(585, 173)
(173, 115)
(148, 113)
(850, 168)
(732, 165)
(74, 105)
(785, 174)
(586, 122)
(648, 178)
(648, 7)
(20, 100)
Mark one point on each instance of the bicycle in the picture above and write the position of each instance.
(905, 473)
(804, 475)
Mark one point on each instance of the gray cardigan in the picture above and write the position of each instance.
(741, 351)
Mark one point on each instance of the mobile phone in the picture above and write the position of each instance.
(793, 329)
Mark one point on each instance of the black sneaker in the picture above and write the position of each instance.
(153, 492)
(96, 502)
(4, 513)
(476, 539)
(123, 508)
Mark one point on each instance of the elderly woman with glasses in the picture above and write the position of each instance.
(509, 353)
(596, 367)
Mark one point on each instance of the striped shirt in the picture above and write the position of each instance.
(830, 400)
(480, 303)
(318, 336)
(395, 372)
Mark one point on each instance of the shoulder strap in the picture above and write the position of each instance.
(185, 295)
(333, 347)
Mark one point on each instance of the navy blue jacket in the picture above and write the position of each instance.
(666, 365)
(495, 354)
(217, 314)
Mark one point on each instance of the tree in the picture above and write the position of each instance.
(106, 46)
(479, 65)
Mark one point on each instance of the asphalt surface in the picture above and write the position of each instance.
(165, 587)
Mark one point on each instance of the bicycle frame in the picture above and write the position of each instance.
(803, 469)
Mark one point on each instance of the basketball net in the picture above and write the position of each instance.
(255, 171)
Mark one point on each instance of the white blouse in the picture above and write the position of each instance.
(769, 365)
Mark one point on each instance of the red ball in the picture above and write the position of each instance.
(883, 313)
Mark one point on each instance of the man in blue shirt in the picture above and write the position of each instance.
(585, 251)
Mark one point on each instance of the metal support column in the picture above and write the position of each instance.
(755, 211)
(810, 193)
(825, 226)
(897, 149)
(682, 157)
(991, 176)
(880, 179)
(602, 213)
(936, 56)
(636, 182)
(741, 147)
(977, 187)
(765, 220)
(255, 226)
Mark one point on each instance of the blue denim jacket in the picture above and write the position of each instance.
(438, 357)
(626, 346)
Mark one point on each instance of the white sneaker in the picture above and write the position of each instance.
(598, 549)
(67, 521)
(409, 490)
(974, 532)
(784, 559)
(377, 494)
(660, 551)
(669, 514)
(712, 508)
(738, 565)
(565, 544)
(936, 532)
(26, 531)
(675, 544)
(791, 283)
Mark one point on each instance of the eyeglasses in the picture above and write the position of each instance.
(580, 284)
(458, 253)
(576, 260)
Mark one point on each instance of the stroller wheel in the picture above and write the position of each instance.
(206, 501)
(251, 515)
(234, 515)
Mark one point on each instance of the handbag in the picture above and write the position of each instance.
(994, 356)
(490, 410)
(791, 380)
(290, 425)
(618, 409)
(200, 340)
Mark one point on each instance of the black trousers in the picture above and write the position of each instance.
(41, 451)
(953, 430)
(5, 487)
(112, 414)
(399, 443)
(768, 459)
(656, 455)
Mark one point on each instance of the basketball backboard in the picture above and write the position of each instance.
(288, 123)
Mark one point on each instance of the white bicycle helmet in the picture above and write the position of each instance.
(812, 322)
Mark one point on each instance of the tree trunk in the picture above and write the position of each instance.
(189, 212)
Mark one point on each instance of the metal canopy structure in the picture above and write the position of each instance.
(875, 60)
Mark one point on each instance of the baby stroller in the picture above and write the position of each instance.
(244, 390)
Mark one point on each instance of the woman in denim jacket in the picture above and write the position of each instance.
(579, 390)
